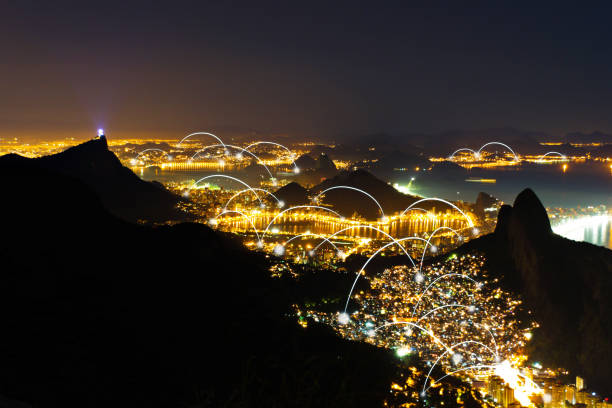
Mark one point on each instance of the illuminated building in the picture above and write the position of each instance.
(580, 384)
(570, 393)
(557, 393)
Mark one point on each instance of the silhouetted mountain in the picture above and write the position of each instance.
(254, 172)
(305, 162)
(165, 146)
(444, 143)
(314, 171)
(347, 152)
(604, 151)
(292, 194)
(381, 142)
(483, 200)
(348, 201)
(567, 284)
(399, 159)
(120, 190)
(594, 137)
(520, 141)
(448, 169)
(565, 148)
(325, 164)
(98, 312)
(388, 163)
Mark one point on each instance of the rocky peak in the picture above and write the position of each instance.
(292, 194)
(503, 220)
(529, 211)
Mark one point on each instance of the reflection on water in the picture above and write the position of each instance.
(582, 185)
(596, 229)
(299, 224)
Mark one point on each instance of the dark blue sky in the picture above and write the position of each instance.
(303, 68)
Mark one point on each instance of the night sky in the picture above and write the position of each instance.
(302, 68)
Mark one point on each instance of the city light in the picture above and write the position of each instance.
(343, 318)
(403, 351)
(523, 388)
(448, 312)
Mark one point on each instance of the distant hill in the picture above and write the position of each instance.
(120, 190)
(399, 159)
(520, 141)
(483, 201)
(306, 162)
(602, 151)
(594, 137)
(348, 202)
(356, 146)
(325, 164)
(387, 163)
(292, 194)
(567, 285)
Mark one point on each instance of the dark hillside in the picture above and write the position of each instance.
(98, 312)
(566, 283)
(120, 190)
(348, 202)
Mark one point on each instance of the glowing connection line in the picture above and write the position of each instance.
(310, 234)
(561, 156)
(477, 153)
(278, 202)
(259, 161)
(469, 220)
(227, 177)
(135, 159)
(449, 350)
(199, 133)
(297, 207)
(291, 154)
(448, 275)
(245, 216)
(395, 242)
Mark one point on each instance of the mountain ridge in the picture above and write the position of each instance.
(101, 312)
(565, 283)
(121, 191)
(344, 200)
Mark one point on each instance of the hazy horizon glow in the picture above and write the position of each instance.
(317, 71)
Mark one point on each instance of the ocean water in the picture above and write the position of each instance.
(582, 184)
(594, 229)
(586, 184)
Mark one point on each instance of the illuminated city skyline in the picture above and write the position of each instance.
(234, 204)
